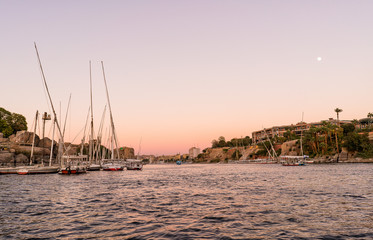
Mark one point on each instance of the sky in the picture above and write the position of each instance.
(182, 73)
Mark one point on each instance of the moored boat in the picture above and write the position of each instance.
(74, 165)
(10, 170)
(293, 160)
(112, 165)
(134, 164)
(73, 170)
(38, 170)
(94, 167)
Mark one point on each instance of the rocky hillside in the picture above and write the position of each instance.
(16, 149)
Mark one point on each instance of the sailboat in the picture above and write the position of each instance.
(93, 164)
(68, 164)
(112, 164)
(31, 168)
(136, 164)
(39, 169)
(295, 160)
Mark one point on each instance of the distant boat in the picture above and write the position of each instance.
(293, 160)
(38, 170)
(264, 161)
(11, 170)
(134, 164)
(74, 164)
(112, 165)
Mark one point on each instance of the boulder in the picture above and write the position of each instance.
(290, 148)
(22, 159)
(26, 150)
(249, 151)
(24, 137)
(45, 142)
(126, 152)
(6, 159)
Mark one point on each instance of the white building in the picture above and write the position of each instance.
(194, 152)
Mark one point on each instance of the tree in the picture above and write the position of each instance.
(10, 123)
(370, 115)
(338, 110)
(347, 128)
(221, 141)
(215, 143)
(355, 142)
(18, 122)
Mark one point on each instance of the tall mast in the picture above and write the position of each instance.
(99, 137)
(83, 139)
(51, 154)
(114, 137)
(91, 137)
(33, 138)
(301, 136)
(49, 96)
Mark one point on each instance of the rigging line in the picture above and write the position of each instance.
(50, 129)
(44, 91)
(71, 143)
(85, 128)
(33, 122)
(38, 126)
(111, 115)
(67, 112)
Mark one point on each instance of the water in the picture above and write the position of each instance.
(248, 201)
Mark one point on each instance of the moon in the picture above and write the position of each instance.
(319, 59)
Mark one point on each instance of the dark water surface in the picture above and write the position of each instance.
(248, 201)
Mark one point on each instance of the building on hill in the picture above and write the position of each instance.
(298, 128)
(194, 152)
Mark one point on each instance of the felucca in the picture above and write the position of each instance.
(114, 163)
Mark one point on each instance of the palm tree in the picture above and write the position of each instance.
(370, 115)
(338, 110)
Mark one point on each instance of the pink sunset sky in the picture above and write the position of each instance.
(182, 73)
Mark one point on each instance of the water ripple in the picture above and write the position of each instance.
(192, 202)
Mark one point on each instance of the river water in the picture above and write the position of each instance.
(192, 201)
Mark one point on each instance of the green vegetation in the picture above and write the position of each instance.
(359, 143)
(234, 142)
(324, 140)
(10, 123)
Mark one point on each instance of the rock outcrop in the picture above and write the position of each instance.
(126, 152)
(24, 138)
(290, 148)
(6, 159)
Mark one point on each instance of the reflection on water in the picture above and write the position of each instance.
(192, 201)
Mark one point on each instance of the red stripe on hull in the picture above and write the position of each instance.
(113, 169)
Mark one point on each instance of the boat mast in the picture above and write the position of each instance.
(272, 148)
(99, 137)
(301, 136)
(85, 127)
(91, 137)
(50, 157)
(61, 144)
(49, 96)
(113, 137)
(33, 138)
